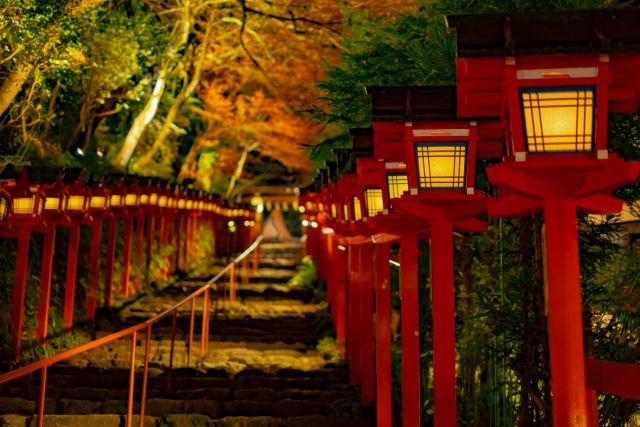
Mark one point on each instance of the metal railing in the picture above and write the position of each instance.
(146, 328)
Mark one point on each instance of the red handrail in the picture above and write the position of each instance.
(44, 364)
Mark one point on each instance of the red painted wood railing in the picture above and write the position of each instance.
(144, 327)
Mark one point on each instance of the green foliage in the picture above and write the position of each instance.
(331, 350)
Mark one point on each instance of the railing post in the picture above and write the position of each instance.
(191, 324)
(145, 376)
(138, 283)
(232, 282)
(174, 321)
(45, 283)
(111, 253)
(94, 269)
(19, 287)
(126, 259)
(132, 377)
(245, 270)
(149, 238)
(42, 396)
(70, 283)
(179, 241)
(256, 259)
(204, 338)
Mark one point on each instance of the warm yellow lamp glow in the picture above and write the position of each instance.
(75, 203)
(441, 165)
(373, 198)
(97, 202)
(182, 204)
(116, 200)
(3, 208)
(131, 199)
(162, 201)
(189, 204)
(52, 204)
(345, 212)
(334, 210)
(397, 184)
(558, 120)
(309, 206)
(23, 205)
(357, 209)
(153, 199)
(144, 199)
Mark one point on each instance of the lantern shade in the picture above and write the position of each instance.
(4, 206)
(373, 198)
(115, 201)
(97, 202)
(397, 183)
(52, 203)
(23, 205)
(357, 208)
(556, 87)
(131, 200)
(75, 202)
(345, 212)
(558, 119)
(441, 165)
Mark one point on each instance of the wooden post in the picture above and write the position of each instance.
(566, 346)
(48, 248)
(111, 254)
(126, 257)
(70, 282)
(409, 312)
(366, 322)
(138, 283)
(353, 338)
(444, 328)
(19, 288)
(94, 269)
(384, 410)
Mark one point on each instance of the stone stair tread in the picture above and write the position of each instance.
(268, 337)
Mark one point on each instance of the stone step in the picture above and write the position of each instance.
(183, 420)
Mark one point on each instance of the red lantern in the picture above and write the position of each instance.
(554, 78)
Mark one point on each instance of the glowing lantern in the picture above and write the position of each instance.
(554, 78)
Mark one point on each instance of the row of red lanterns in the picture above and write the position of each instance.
(540, 110)
(23, 200)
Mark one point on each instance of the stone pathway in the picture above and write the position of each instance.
(271, 362)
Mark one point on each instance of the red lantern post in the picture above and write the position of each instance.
(74, 210)
(23, 205)
(97, 206)
(440, 159)
(387, 171)
(53, 199)
(558, 86)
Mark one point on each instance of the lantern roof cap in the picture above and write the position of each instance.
(531, 33)
(362, 142)
(408, 103)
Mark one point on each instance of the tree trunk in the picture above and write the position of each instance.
(141, 122)
(12, 85)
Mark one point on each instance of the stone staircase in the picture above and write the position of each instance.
(262, 368)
